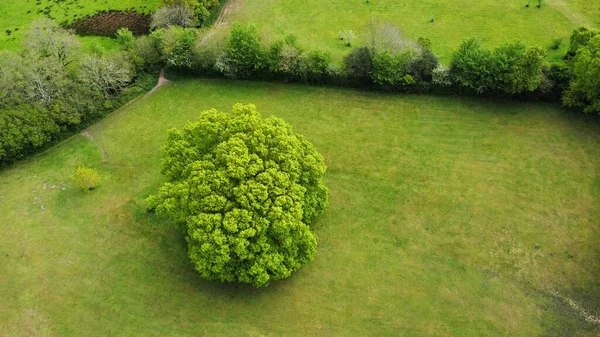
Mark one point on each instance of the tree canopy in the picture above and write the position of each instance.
(245, 190)
(584, 89)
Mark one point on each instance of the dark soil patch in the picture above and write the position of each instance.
(107, 23)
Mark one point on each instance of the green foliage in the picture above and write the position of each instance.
(147, 53)
(49, 90)
(472, 67)
(173, 15)
(125, 38)
(207, 50)
(509, 69)
(178, 45)
(580, 37)
(391, 69)
(245, 189)
(317, 66)
(421, 67)
(519, 69)
(584, 89)
(201, 9)
(285, 58)
(358, 65)
(244, 55)
(24, 128)
(85, 178)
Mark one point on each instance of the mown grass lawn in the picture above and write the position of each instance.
(318, 23)
(16, 16)
(447, 217)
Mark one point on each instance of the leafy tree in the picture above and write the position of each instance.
(584, 89)
(358, 65)
(473, 67)
(47, 39)
(86, 178)
(510, 69)
(173, 15)
(125, 38)
(178, 45)
(104, 75)
(245, 190)
(147, 53)
(201, 9)
(285, 58)
(421, 67)
(390, 69)
(580, 38)
(23, 129)
(244, 55)
(519, 68)
(317, 66)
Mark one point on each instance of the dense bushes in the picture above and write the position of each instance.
(50, 89)
(509, 69)
(390, 62)
(584, 88)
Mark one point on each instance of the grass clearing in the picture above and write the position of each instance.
(318, 23)
(16, 15)
(446, 215)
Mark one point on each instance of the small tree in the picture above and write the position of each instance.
(580, 38)
(125, 38)
(173, 15)
(245, 190)
(47, 39)
(519, 68)
(244, 55)
(85, 178)
(584, 89)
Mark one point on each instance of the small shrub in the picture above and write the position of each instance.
(85, 178)
(146, 53)
(125, 38)
(317, 65)
(358, 65)
(556, 43)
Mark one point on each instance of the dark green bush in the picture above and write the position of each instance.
(358, 65)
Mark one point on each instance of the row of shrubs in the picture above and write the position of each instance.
(391, 62)
(50, 89)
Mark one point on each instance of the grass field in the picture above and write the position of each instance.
(447, 217)
(318, 23)
(16, 15)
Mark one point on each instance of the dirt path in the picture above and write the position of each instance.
(224, 19)
(87, 135)
(162, 80)
(566, 10)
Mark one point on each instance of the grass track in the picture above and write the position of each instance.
(446, 214)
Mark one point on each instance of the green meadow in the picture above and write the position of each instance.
(447, 217)
(16, 15)
(318, 24)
